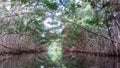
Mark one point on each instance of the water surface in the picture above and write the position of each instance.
(67, 60)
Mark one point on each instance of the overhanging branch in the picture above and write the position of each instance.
(99, 35)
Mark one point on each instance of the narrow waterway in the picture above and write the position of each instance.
(58, 60)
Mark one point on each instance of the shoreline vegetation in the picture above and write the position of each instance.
(82, 26)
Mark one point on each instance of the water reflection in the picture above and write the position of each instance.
(54, 52)
(77, 60)
(68, 60)
(22, 61)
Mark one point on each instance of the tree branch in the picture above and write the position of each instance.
(99, 35)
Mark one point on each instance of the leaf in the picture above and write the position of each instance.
(37, 25)
(72, 7)
(51, 5)
(28, 28)
(24, 1)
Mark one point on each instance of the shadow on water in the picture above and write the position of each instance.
(68, 60)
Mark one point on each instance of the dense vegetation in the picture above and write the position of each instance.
(80, 25)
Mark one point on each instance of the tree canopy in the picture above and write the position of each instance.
(73, 22)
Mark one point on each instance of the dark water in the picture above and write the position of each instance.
(67, 60)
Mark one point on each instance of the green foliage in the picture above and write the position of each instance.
(73, 15)
(87, 13)
(24, 1)
(72, 7)
(51, 5)
(72, 37)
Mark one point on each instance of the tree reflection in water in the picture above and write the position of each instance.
(68, 60)
(22, 61)
(78, 60)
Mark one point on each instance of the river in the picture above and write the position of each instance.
(69, 60)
